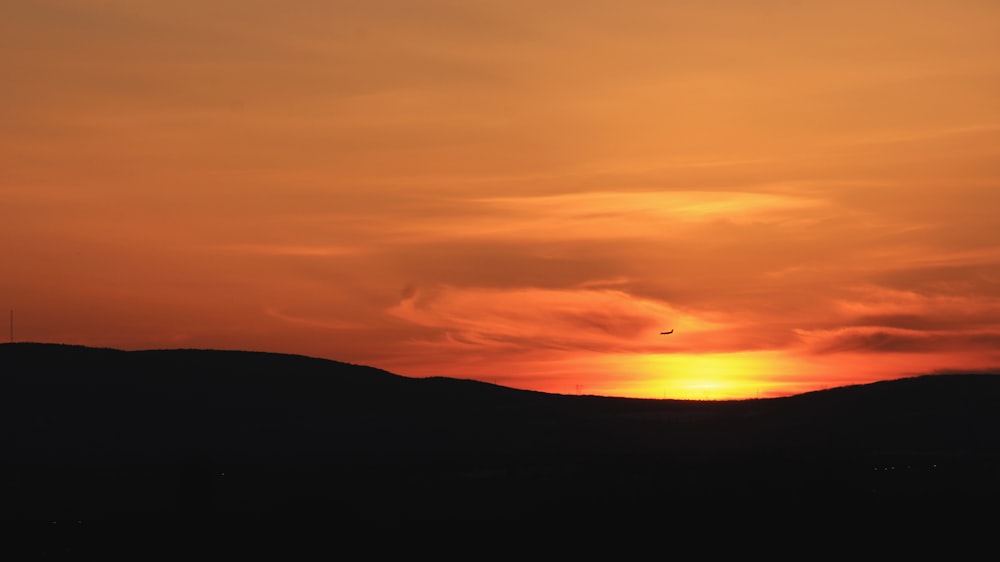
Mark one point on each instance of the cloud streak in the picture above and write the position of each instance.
(525, 319)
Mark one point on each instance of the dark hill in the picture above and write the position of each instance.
(201, 436)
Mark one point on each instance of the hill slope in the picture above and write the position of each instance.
(109, 435)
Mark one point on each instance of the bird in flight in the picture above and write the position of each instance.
(670, 332)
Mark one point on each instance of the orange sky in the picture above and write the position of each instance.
(522, 192)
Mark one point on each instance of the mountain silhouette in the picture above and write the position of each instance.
(110, 439)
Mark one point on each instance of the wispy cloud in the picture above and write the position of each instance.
(604, 215)
(303, 250)
(526, 319)
(888, 339)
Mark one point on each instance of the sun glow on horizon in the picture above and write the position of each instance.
(711, 376)
(678, 376)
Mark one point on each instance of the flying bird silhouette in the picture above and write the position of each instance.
(670, 332)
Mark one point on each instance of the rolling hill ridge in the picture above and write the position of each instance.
(107, 435)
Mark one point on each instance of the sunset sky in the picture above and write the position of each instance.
(519, 192)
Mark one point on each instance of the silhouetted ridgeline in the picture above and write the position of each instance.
(97, 435)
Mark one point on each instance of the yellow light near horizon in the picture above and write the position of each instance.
(713, 376)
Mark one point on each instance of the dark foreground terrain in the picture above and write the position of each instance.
(187, 450)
